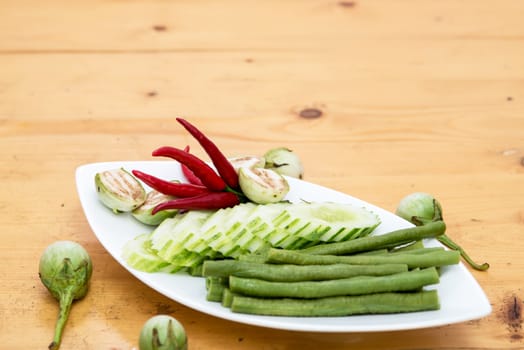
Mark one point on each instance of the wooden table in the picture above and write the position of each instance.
(379, 98)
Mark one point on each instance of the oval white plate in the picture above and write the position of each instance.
(461, 297)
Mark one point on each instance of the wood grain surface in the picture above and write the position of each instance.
(379, 98)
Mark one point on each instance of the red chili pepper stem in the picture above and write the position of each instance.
(238, 193)
(222, 164)
(203, 171)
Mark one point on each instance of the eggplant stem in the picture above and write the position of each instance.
(66, 300)
(444, 239)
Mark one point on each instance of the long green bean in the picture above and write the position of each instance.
(293, 273)
(410, 246)
(381, 303)
(404, 281)
(394, 238)
(425, 250)
(257, 257)
(373, 252)
(215, 287)
(227, 297)
(436, 258)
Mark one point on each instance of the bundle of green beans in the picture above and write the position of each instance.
(370, 275)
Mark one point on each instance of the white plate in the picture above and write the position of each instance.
(462, 299)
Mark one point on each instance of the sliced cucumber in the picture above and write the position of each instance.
(168, 239)
(327, 222)
(261, 221)
(190, 238)
(138, 254)
(238, 239)
(224, 233)
(213, 229)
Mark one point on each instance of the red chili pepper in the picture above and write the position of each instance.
(204, 172)
(190, 176)
(222, 164)
(171, 188)
(210, 201)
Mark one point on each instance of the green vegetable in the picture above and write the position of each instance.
(119, 190)
(162, 332)
(374, 252)
(168, 239)
(423, 209)
(294, 273)
(223, 233)
(391, 239)
(138, 254)
(420, 205)
(380, 303)
(215, 287)
(284, 161)
(247, 162)
(287, 282)
(189, 238)
(262, 186)
(144, 212)
(227, 297)
(65, 269)
(195, 270)
(326, 221)
(435, 258)
(409, 246)
(425, 250)
(398, 282)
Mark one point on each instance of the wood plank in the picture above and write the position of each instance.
(108, 26)
(133, 86)
(408, 96)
